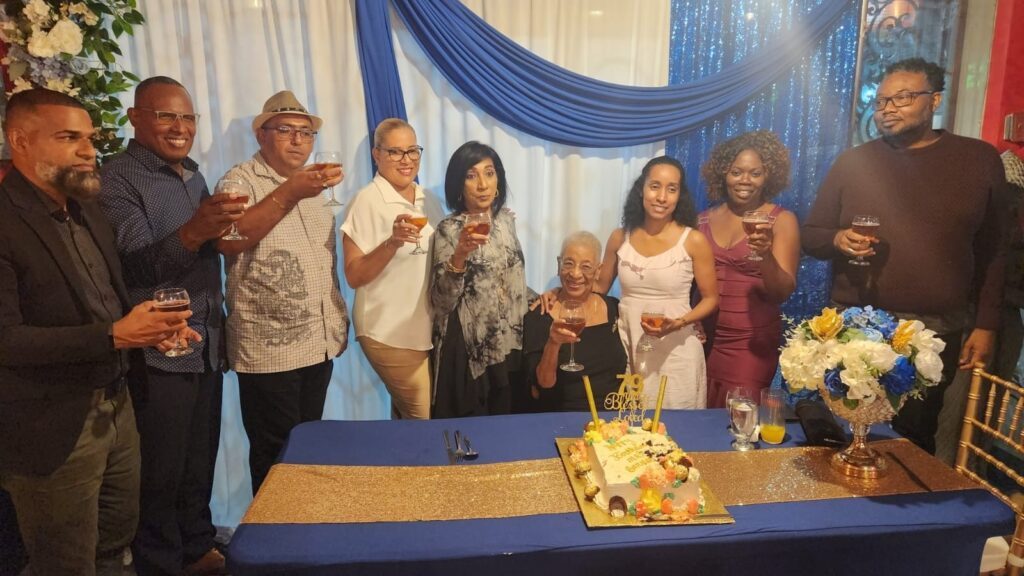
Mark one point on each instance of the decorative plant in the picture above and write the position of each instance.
(71, 47)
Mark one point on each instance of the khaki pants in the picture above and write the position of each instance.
(79, 519)
(406, 374)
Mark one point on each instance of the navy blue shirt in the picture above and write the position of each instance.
(147, 201)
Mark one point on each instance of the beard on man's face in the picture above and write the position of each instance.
(82, 186)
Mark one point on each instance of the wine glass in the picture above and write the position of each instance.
(419, 220)
(751, 219)
(174, 300)
(865, 226)
(479, 223)
(743, 414)
(242, 192)
(330, 160)
(652, 315)
(574, 318)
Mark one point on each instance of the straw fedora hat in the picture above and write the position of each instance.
(284, 102)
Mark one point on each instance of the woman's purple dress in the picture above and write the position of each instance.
(745, 333)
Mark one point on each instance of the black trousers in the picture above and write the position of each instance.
(918, 421)
(179, 428)
(273, 404)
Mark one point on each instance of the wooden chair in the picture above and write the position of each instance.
(994, 416)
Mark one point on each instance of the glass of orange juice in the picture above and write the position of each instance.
(773, 422)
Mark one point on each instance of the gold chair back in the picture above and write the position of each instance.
(994, 416)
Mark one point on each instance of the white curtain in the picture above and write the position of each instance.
(233, 54)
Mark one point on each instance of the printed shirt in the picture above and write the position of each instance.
(285, 309)
(147, 201)
(393, 308)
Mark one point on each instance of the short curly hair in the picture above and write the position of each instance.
(633, 210)
(774, 155)
(935, 74)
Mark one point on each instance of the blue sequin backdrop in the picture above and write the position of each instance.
(809, 108)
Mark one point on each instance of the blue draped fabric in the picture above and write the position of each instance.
(808, 106)
(382, 88)
(533, 95)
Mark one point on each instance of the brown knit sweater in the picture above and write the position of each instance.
(942, 210)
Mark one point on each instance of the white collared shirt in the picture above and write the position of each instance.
(393, 308)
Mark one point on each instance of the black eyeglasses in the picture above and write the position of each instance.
(900, 99)
(396, 155)
(285, 132)
(168, 118)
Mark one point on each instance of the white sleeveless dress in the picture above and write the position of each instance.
(664, 279)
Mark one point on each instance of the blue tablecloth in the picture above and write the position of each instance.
(940, 533)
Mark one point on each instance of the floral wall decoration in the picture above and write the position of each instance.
(71, 47)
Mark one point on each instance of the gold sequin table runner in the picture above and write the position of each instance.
(318, 494)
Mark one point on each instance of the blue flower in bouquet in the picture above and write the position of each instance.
(900, 379)
(834, 383)
(877, 325)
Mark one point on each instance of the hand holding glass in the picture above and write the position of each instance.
(652, 316)
(751, 219)
(242, 195)
(330, 160)
(174, 300)
(865, 226)
(479, 223)
(419, 220)
(574, 318)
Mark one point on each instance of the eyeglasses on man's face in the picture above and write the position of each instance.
(286, 132)
(397, 154)
(168, 118)
(899, 99)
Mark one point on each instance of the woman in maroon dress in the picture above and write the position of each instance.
(743, 337)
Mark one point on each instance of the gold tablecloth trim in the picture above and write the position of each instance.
(314, 494)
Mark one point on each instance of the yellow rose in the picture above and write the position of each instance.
(826, 325)
(902, 336)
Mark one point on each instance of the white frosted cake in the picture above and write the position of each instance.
(636, 472)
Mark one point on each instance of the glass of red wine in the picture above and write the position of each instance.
(241, 194)
(751, 219)
(865, 226)
(174, 300)
(479, 223)
(652, 316)
(574, 318)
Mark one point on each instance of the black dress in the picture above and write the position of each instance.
(599, 350)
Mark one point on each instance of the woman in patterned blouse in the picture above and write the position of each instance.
(477, 289)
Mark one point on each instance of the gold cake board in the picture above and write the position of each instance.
(327, 494)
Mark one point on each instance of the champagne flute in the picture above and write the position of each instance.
(330, 160)
(751, 219)
(174, 300)
(419, 220)
(865, 226)
(242, 192)
(652, 315)
(479, 223)
(743, 414)
(574, 318)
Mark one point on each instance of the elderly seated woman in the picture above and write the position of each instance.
(598, 348)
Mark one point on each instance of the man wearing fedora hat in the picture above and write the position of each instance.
(286, 318)
(166, 224)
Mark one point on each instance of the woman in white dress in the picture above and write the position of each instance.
(657, 255)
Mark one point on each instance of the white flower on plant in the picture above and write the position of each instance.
(39, 44)
(37, 12)
(66, 36)
(59, 85)
(878, 355)
(928, 364)
(88, 16)
(804, 362)
(20, 85)
(925, 339)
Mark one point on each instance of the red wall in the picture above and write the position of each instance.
(1006, 74)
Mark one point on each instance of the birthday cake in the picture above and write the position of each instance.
(634, 471)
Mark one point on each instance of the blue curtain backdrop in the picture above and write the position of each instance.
(809, 106)
(736, 65)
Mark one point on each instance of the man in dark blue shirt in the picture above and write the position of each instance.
(69, 451)
(166, 223)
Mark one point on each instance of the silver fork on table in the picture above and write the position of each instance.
(460, 453)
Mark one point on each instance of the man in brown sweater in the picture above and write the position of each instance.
(940, 199)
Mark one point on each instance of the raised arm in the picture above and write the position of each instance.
(779, 247)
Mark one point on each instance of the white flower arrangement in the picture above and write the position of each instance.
(71, 47)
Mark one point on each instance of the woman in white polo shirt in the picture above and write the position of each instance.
(391, 311)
